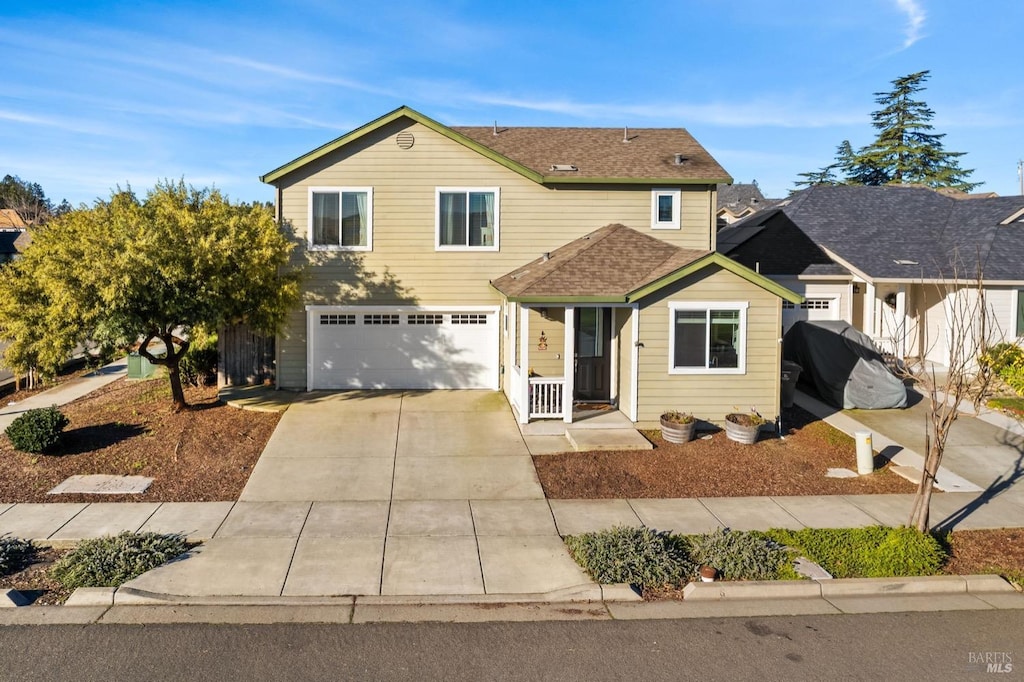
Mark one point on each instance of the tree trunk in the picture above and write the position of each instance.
(171, 361)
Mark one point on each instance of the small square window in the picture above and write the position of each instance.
(665, 209)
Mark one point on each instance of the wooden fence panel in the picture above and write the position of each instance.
(246, 358)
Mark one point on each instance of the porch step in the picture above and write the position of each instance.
(584, 439)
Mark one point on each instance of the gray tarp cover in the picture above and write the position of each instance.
(842, 366)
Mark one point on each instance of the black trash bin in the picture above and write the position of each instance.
(790, 375)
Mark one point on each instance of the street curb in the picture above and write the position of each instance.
(844, 587)
(615, 593)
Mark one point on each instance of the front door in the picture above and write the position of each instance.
(593, 354)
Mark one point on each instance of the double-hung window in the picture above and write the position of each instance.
(467, 219)
(341, 218)
(665, 209)
(707, 338)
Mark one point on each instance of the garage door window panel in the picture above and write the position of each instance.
(707, 338)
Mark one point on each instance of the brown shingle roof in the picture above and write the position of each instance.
(650, 153)
(9, 219)
(607, 264)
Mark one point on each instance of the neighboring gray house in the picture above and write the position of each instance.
(738, 201)
(883, 259)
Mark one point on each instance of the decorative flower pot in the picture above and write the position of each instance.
(741, 428)
(674, 432)
(708, 574)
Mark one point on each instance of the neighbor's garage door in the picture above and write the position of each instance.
(403, 348)
(810, 309)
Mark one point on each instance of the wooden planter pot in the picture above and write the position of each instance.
(741, 428)
(674, 432)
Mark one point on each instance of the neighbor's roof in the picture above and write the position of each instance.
(883, 233)
(742, 196)
(615, 264)
(599, 155)
(9, 219)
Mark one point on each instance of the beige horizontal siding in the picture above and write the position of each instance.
(710, 396)
(405, 268)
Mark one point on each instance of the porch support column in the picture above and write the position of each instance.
(900, 340)
(569, 363)
(869, 309)
(524, 364)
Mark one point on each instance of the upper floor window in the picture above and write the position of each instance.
(707, 338)
(467, 219)
(665, 209)
(341, 218)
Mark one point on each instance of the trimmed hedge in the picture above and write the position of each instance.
(37, 430)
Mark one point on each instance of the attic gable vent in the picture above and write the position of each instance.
(563, 167)
(405, 140)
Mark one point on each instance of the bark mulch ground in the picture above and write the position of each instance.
(988, 551)
(201, 454)
(719, 467)
(34, 580)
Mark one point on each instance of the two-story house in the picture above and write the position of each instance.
(554, 264)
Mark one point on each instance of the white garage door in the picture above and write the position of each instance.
(391, 347)
(810, 309)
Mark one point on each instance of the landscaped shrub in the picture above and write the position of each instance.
(37, 430)
(199, 364)
(638, 556)
(739, 555)
(872, 552)
(1006, 360)
(15, 553)
(113, 560)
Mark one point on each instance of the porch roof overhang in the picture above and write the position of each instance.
(617, 265)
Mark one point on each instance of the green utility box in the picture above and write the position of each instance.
(139, 367)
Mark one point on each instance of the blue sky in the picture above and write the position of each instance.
(100, 94)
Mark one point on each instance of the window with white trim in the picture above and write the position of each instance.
(665, 209)
(467, 218)
(707, 338)
(1020, 313)
(341, 218)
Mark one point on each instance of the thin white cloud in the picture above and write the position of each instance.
(58, 123)
(915, 20)
(775, 112)
(297, 75)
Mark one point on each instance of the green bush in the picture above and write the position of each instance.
(739, 555)
(1006, 360)
(638, 556)
(37, 430)
(199, 364)
(15, 553)
(872, 552)
(113, 560)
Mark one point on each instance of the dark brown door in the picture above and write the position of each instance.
(593, 354)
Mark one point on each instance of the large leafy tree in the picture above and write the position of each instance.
(906, 150)
(179, 260)
(26, 198)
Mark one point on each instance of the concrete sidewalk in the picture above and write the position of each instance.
(66, 392)
(389, 495)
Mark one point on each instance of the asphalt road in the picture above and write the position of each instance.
(903, 646)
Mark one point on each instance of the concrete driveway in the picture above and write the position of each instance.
(385, 493)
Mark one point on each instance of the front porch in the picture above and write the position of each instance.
(575, 400)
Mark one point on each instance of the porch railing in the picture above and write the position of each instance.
(546, 394)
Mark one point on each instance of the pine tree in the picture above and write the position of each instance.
(906, 150)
